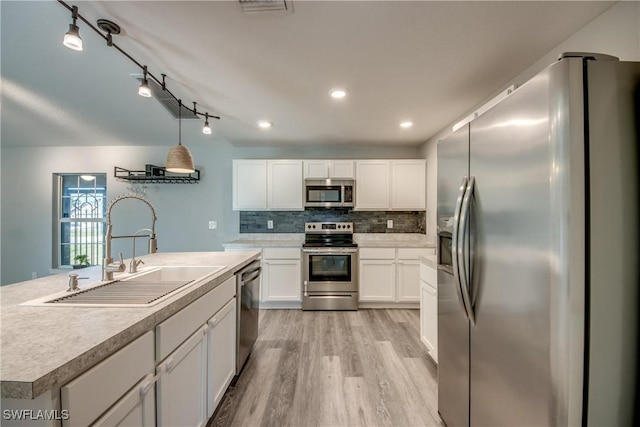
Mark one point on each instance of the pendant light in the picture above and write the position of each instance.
(179, 158)
(206, 129)
(72, 38)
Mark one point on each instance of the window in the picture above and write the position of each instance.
(80, 210)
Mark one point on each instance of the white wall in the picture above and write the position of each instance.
(615, 32)
(183, 210)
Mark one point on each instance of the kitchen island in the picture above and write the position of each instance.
(45, 347)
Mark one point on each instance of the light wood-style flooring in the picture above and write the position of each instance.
(335, 368)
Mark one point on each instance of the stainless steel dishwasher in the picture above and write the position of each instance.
(248, 300)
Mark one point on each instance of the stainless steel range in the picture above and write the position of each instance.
(330, 259)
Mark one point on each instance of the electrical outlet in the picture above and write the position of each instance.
(213, 225)
(270, 224)
(389, 223)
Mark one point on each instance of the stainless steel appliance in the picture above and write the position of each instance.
(330, 258)
(329, 193)
(248, 303)
(538, 253)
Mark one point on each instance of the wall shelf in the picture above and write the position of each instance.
(155, 175)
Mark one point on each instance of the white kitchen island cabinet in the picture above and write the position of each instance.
(267, 185)
(182, 383)
(182, 344)
(87, 397)
(221, 363)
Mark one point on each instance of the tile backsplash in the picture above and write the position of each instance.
(363, 221)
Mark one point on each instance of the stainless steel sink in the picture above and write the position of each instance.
(141, 290)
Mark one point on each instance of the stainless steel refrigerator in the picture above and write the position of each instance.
(538, 253)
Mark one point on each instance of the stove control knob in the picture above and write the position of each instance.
(349, 226)
(308, 225)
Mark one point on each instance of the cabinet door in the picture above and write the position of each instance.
(408, 281)
(88, 396)
(377, 280)
(341, 169)
(182, 387)
(135, 409)
(408, 185)
(285, 185)
(249, 185)
(281, 280)
(316, 169)
(429, 318)
(221, 354)
(372, 185)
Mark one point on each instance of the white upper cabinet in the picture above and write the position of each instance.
(322, 169)
(390, 185)
(267, 185)
(284, 181)
(372, 185)
(408, 184)
(249, 185)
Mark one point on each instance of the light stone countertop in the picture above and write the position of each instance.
(369, 240)
(45, 347)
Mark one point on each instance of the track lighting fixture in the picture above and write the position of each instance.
(179, 158)
(72, 38)
(144, 89)
(206, 129)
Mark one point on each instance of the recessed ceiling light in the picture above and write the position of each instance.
(338, 93)
(406, 124)
(265, 124)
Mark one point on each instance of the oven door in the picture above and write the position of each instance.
(330, 270)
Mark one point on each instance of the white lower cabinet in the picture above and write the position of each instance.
(182, 384)
(221, 363)
(122, 384)
(188, 371)
(429, 310)
(390, 274)
(281, 275)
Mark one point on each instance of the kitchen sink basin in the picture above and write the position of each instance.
(140, 290)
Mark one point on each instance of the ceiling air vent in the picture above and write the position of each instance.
(167, 101)
(250, 6)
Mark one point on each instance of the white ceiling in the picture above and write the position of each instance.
(427, 61)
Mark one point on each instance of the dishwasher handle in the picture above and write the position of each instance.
(250, 275)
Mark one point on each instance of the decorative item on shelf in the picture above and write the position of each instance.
(155, 175)
(81, 260)
(180, 157)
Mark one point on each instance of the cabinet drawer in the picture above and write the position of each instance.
(429, 275)
(413, 253)
(281, 253)
(93, 392)
(377, 253)
(173, 331)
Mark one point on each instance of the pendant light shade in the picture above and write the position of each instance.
(179, 158)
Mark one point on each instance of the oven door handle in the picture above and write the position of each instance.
(330, 250)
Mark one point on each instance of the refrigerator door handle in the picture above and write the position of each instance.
(462, 246)
(454, 245)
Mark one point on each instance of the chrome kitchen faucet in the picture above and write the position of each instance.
(108, 266)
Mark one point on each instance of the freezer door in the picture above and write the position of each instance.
(509, 355)
(453, 326)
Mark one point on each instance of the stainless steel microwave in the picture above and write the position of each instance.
(329, 193)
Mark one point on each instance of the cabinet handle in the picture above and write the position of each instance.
(148, 383)
(212, 322)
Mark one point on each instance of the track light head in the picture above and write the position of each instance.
(72, 38)
(206, 129)
(144, 89)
